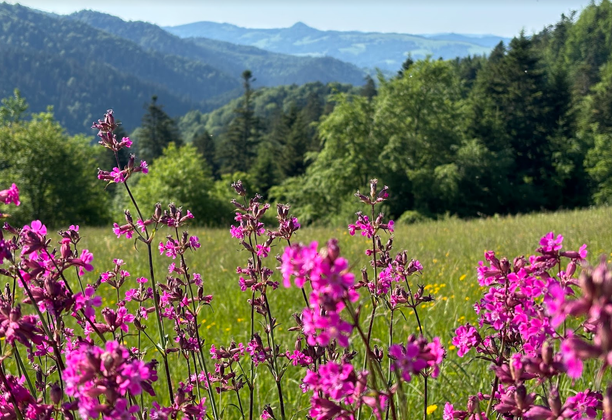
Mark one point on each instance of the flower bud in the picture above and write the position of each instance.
(363, 198)
(472, 404)
(383, 194)
(378, 353)
(571, 268)
(605, 335)
(547, 352)
(56, 393)
(379, 244)
(107, 361)
(587, 285)
(505, 265)
(520, 396)
(158, 211)
(373, 184)
(128, 217)
(65, 250)
(15, 314)
(282, 210)
(554, 401)
(607, 404)
(333, 250)
(239, 188)
(109, 120)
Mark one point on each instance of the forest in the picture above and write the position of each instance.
(526, 128)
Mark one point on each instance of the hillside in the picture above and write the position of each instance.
(267, 103)
(117, 66)
(68, 85)
(87, 62)
(270, 69)
(386, 51)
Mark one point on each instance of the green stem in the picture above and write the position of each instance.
(160, 325)
(12, 397)
(197, 331)
(277, 378)
(23, 369)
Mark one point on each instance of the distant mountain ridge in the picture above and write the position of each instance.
(269, 68)
(386, 51)
(87, 62)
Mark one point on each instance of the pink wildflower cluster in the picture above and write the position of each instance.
(332, 287)
(15, 396)
(416, 356)
(594, 303)
(185, 405)
(338, 391)
(369, 228)
(224, 378)
(93, 372)
(527, 300)
(173, 218)
(109, 140)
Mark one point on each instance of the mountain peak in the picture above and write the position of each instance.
(300, 25)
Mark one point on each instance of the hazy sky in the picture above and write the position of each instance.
(499, 17)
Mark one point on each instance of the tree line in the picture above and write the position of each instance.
(527, 128)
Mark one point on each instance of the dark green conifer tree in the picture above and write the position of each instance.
(369, 89)
(157, 131)
(239, 144)
(205, 145)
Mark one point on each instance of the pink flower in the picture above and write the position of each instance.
(126, 230)
(86, 301)
(571, 360)
(169, 248)
(10, 196)
(364, 225)
(301, 262)
(550, 244)
(133, 374)
(194, 242)
(299, 358)
(237, 232)
(36, 227)
(466, 337)
(582, 405)
(118, 175)
(84, 262)
(263, 250)
(125, 142)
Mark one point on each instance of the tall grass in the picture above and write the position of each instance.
(449, 251)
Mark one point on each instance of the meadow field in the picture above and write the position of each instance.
(449, 251)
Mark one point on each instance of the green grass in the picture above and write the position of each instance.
(448, 250)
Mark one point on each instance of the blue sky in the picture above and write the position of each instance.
(499, 17)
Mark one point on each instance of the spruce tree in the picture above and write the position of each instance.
(239, 144)
(295, 145)
(157, 131)
(369, 89)
(205, 145)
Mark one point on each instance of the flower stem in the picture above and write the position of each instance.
(160, 324)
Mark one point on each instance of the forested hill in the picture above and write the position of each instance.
(271, 69)
(527, 128)
(82, 70)
(386, 51)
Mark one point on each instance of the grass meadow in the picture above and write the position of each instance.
(449, 251)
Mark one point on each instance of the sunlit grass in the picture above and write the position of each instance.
(448, 250)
